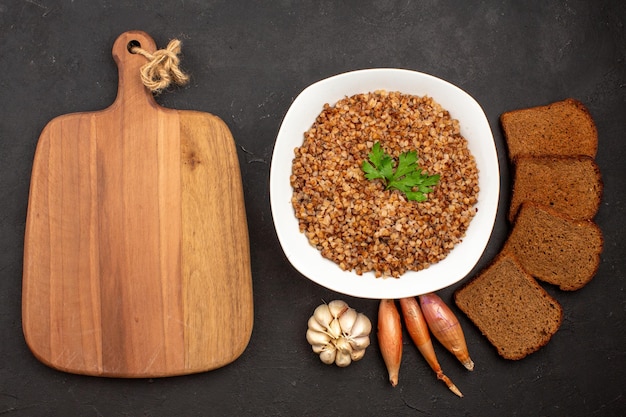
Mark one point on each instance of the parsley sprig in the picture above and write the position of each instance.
(407, 176)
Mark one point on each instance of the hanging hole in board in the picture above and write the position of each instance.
(133, 44)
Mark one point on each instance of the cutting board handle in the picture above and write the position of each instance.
(131, 90)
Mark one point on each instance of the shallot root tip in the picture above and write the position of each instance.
(455, 390)
(469, 364)
(449, 384)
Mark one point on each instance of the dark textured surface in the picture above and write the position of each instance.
(248, 60)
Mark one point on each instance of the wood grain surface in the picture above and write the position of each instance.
(136, 260)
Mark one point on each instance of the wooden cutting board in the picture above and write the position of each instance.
(136, 258)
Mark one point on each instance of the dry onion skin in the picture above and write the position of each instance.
(357, 223)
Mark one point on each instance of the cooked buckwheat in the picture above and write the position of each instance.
(356, 222)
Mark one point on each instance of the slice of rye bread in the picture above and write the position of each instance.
(561, 128)
(571, 185)
(510, 308)
(555, 248)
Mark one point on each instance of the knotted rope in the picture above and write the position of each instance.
(162, 67)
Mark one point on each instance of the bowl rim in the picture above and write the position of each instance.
(475, 127)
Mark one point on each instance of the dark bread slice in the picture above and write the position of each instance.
(510, 308)
(571, 185)
(555, 248)
(561, 128)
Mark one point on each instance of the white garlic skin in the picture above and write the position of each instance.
(338, 334)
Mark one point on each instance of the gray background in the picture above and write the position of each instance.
(248, 61)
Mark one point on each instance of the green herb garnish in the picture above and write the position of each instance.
(407, 177)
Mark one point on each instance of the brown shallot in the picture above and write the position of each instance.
(390, 338)
(445, 327)
(418, 330)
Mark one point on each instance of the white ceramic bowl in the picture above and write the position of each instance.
(474, 127)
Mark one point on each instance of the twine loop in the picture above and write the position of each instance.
(162, 67)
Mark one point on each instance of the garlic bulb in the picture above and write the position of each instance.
(338, 334)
